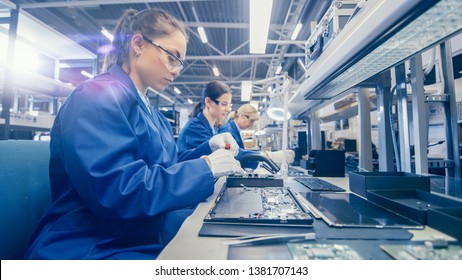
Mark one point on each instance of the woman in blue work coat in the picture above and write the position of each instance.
(243, 118)
(114, 170)
(215, 106)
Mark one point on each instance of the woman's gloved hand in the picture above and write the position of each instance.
(222, 163)
(224, 141)
(277, 156)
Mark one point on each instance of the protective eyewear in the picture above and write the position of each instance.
(173, 61)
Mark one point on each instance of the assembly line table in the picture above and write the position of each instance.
(188, 245)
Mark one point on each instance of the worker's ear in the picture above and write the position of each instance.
(137, 44)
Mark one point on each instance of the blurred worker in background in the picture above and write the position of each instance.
(244, 118)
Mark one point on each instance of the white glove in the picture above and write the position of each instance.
(277, 156)
(219, 141)
(222, 163)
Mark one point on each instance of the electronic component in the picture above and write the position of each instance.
(316, 184)
(424, 252)
(254, 180)
(254, 205)
(300, 251)
(341, 209)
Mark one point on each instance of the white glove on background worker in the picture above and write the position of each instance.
(277, 156)
(222, 163)
(219, 141)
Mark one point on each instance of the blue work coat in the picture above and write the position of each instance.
(232, 128)
(115, 175)
(197, 131)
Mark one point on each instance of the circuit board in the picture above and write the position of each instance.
(257, 205)
(423, 252)
(300, 251)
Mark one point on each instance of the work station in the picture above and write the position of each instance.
(126, 131)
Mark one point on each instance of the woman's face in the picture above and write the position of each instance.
(155, 66)
(244, 121)
(220, 107)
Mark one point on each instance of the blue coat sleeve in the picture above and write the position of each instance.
(194, 135)
(120, 161)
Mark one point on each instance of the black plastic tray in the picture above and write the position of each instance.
(447, 220)
(411, 203)
(361, 182)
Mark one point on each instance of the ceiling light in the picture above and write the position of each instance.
(254, 104)
(264, 99)
(298, 27)
(215, 71)
(260, 14)
(86, 74)
(433, 26)
(175, 89)
(161, 95)
(202, 34)
(190, 101)
(246, 90)
(278, 70)
(301, 64)
(107, 34)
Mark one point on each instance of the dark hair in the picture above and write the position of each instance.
(212, 90)
(152, 22)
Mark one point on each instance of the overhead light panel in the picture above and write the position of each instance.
(175, 89)
(278, 70)
(107, 34)
(215, 71)
(437, 23)
(297, 29)
(246, 90)
(161, 95)
(260, 14)
(190, 101)
(202, 34)
(86, 74)
(254, 104)
(301, 64)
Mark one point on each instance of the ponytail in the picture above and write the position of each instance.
(152, 22)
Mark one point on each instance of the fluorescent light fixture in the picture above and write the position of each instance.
(26, 58)
(278, 70)
(215, 71)
(107, 34)
(175, 89)
(264, 99)
(297, 29)
(202, 34)
(190, 101)
(437, 23)
(301, 64)
(162, 95)
(86, 74)
(246, 90)
(270, 88)
(260, 14)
